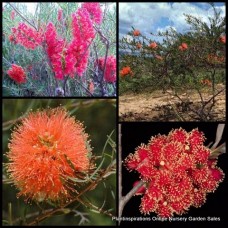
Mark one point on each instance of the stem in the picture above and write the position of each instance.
(124, 199)
(23, 16)
(120, 170)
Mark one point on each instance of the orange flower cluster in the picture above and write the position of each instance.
(47, 149)
(206, 82)
(125, 71)
(136, 33)
(153, 45)
(183, 47)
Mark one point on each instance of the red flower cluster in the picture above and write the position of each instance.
(70, 58)
(177, 170)
(27, 36)
(83, 33)
(94, 10)
(110, 69)
(55, 48)
(17, 74)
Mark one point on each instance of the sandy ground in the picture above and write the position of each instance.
(158, 106)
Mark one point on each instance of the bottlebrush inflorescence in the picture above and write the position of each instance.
(67, 57)
(17, 73)
(177, 170)
(46, 150)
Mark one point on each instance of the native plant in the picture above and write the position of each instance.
(190, 62)
(64, 49)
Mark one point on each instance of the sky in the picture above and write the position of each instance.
(153, 17)
(31, 7)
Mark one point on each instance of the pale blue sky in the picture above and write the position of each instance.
(154, 17)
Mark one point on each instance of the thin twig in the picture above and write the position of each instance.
(119, 169)
(22, 16)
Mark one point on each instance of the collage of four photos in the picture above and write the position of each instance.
(114, 114)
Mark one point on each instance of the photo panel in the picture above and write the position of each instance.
(59, 49)
(59, 162)
(172, 172)
(172, 62)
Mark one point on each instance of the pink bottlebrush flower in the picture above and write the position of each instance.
(55, 50)
(60, 15)
(78, 49)
(27, 37)
(12, 15)
(110, 69)
(177, 170)
(17, 73)
(82, 26)
(94, 10)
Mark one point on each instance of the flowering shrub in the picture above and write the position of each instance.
(177, 65)
(17, 74)
(67, 46)
(177, 171)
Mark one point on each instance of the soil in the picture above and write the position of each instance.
(160, 106)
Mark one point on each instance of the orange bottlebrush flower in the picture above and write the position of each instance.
(45, 150)
(136, 33)
(222, 39)
(125, 71)
(138, 45)
(153, 45)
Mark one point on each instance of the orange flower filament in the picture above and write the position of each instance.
(47, 148)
